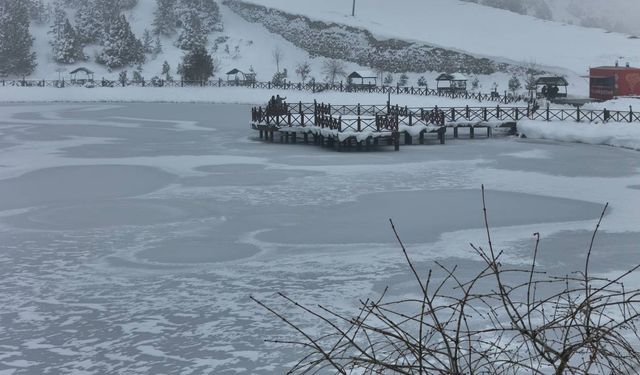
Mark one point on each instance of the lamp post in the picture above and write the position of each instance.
(353, 9)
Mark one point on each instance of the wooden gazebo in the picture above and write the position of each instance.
(240, 77)
(551, 87)
(454, 83)
(88, 76)
(362, 79)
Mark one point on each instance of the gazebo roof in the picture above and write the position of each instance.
(362, 74)
(81, 69)
(452, 77)
(234, 71)
(552, 80)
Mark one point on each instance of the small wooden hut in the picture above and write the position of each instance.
(452, 83)
(362, 79)
(551, 87)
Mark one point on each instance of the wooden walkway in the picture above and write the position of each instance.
(366, 126)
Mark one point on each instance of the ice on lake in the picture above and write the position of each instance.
(132, 235)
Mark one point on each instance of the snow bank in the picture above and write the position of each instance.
(620, 104)
(622, 135)
(226, 95)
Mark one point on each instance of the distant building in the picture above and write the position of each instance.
(362, 79)
(608, 82)
(455, 83)
(239, 77)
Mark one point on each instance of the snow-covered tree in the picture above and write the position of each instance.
(165, 17)
(38, 11)
(16, 42)
(514, 84)
(193, 35)
(166, 71)
(332, 69)
(88, 25)
(198, 65)
(303, 70)
(157, 46)
(279, 78)
(121, 47)
(206, 10)
(147, 41)
(403, 79)
(422, 81)
(475, 83)
(388, 79)
(67, 47)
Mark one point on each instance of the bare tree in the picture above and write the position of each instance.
(333, 69)
(500, 320)
(303, 69)
(277, 56)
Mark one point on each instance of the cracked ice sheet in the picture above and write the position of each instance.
(133, 234)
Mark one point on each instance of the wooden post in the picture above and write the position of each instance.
(488, 131)
(578, 114)
(408, 139)
(422, 137)
(359, 124)
(472, 132)
(455, 132)
(630, 114)
(548, 117)
(306, 138)
(441, 134)
(498, 112)
(358, 109)
(396, 141)
(453, 114)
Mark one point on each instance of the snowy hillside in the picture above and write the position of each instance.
(455, 25)
(476, 29)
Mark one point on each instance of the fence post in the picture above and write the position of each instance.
(498, 112)
(467, 112)
(359, 124)
(630, 114)
(358, 109)
(484, 114)
(453, 114)
(548, 117)
(578, 115)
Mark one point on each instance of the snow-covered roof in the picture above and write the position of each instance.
(81, 69)
(552, 80)
(234, 71)
(452, 77)
(363, 74)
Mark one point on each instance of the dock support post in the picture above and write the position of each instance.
(472, 131)
(408, 139)
(455, 132)
(441, 133)
(261, 133)
(306, 138)
(396, 141)
(294, 137)
(488, 131)
(422, 137)
(271, 135)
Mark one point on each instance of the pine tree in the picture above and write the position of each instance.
(403, 79)
(210, 15)
(165, 18)
(157, 46)
(88, 26)
(121, 47)
(198, 65)
(67, 48)
(38, 11)
(16, 42)
(193, 34)
(147, 41)
(514, 84)
(166, 71)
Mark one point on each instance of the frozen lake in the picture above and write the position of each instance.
(133, 235)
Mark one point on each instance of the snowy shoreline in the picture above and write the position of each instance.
(622, 135)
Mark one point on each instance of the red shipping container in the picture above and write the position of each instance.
(607, 82)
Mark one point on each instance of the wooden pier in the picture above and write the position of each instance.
(365, 127)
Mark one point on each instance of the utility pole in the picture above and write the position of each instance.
(353, 9)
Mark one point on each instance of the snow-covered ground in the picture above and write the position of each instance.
(133, 234)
